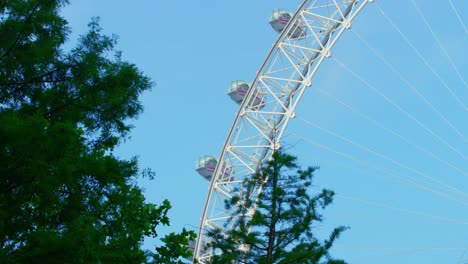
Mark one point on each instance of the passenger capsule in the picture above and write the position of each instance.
(206, 165)
(191, 248)
(280, 18)
(203, 248)
(239, 89)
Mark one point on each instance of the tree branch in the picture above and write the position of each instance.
(28, 18)
(34, 80)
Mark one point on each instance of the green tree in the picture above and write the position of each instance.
(280, 228)
(64, 196)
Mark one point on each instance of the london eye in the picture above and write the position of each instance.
(306, 38)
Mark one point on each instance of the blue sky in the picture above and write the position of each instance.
(387, 159)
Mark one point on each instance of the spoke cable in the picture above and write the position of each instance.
(458, 16)
(448, 187)
(439, 43)
(411, 86)
(386, 171)
(401, 249)
(392, 207)
(393, 132)
(400, 109)
(421, 57)
(461, 257)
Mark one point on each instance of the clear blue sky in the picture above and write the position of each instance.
(401, 176)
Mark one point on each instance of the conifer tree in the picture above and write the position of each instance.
(276, 225)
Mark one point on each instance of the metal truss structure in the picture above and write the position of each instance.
(282, 79)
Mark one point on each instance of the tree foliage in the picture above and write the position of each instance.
(64, 196)
(275, 226)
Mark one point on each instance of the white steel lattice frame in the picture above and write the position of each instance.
(282, 79)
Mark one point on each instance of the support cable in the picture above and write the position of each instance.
(461, 257)
(401, 109)
(394, 133)
(424, 60)
(439, 43)
(391, 160)
(386, 171)
(401, 209)
(396, 208)
(411, 86)
(401, 249)
(458, 16)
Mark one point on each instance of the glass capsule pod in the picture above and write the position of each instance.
(203, 249)
(280, 18)
(238, 90)
(206, 165)
(191, 248)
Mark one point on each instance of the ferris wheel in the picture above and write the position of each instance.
(305, 40)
